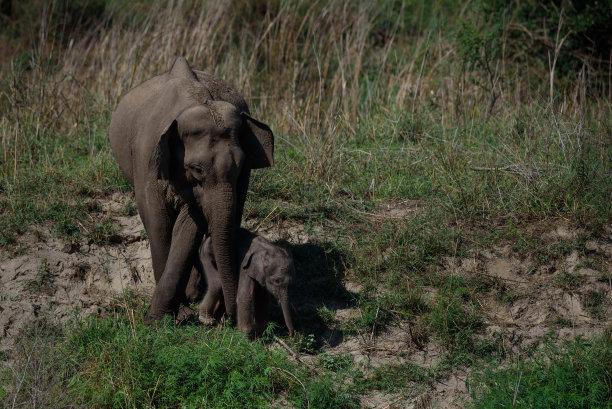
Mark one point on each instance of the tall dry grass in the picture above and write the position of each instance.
(320, 73)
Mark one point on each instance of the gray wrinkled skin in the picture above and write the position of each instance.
(186, 142)
(264, 268)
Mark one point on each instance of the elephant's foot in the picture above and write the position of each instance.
(207, 320)
(184, 313)
(152, 318)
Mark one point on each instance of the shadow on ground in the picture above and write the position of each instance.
(317, 291)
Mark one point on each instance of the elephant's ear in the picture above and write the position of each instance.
(257, 141)
(160, 158)
(255, 264)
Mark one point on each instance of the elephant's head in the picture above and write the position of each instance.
(272, 267)
(204, 154)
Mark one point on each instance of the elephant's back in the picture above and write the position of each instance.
(222, 91)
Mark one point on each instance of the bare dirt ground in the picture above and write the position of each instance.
(47, 276)
(566, 296)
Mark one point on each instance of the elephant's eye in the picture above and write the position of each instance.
(196, 172)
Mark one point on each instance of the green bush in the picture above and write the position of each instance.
(579, 27)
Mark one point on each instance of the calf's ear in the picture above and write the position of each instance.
(255, 265)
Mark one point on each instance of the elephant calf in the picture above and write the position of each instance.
(264, 267)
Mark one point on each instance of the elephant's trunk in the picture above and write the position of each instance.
(223, 243)
(284, 302)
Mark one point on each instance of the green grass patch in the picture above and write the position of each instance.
(569, 281)
(456, 319)
(57, 180)
(117, 362)
(575, 375)
(402, 377)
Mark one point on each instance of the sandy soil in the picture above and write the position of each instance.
(46, 276)
(49, 277)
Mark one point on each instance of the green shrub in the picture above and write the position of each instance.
(580, 28)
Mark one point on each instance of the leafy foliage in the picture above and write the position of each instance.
(578, 28)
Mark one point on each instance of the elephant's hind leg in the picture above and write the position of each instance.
(193, 293)
(209, 312)
(158, 220)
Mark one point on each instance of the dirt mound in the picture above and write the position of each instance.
(62, 280)
(554, 287)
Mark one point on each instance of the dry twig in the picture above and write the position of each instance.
(292, 352)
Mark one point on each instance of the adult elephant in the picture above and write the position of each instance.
(186, 142)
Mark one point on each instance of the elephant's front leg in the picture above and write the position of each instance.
(187, 235)
(261, 309)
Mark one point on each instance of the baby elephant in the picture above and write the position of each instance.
(264, 267)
